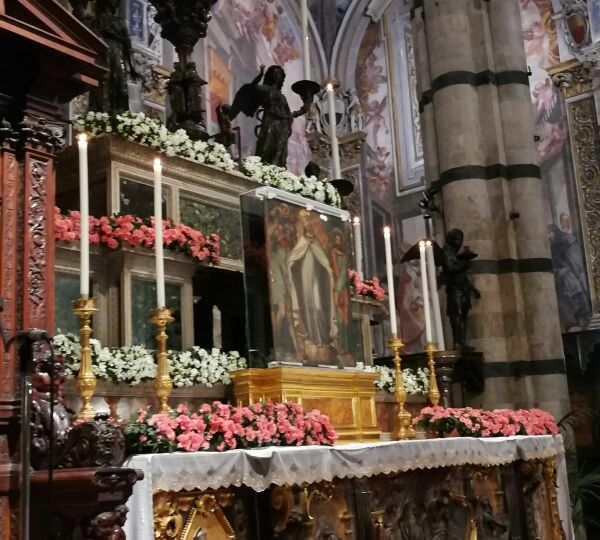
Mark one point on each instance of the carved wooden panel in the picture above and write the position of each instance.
(8, 263)
(38, 246)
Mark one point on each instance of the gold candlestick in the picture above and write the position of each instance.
(434, 393)
(163, 385)
(85, 308)
(404, 428)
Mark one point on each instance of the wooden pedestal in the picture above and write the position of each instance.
(347, 397)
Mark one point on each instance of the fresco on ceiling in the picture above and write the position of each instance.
(260, 32)
(551, 127)
(372, 88)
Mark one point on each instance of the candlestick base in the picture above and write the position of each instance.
(404, 428)
(163, 385)
(85, 308)
(434, 393)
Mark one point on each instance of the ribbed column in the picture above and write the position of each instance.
(528, 201)
(478, 139)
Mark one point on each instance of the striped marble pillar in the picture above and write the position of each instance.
(478, 131)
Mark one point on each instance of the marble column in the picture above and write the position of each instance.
(479, 151)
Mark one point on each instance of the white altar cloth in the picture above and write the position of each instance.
(260, 468)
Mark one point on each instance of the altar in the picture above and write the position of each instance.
(513, 487)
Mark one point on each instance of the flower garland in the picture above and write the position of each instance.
(138, 127)
(369, 287)
(114, 231)
(220, 427)
(279, 177)
(468, 422)
(416, 382)
(134, 365)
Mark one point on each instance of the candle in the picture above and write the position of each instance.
(84, 211)
(435, 298)
(158, 232)
(335, 149)
(305, 39)
(425, 286)
(358, 247)
(390, 280)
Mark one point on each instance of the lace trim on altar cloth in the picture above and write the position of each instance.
(260, 468)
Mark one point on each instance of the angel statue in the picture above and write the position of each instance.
(276, 118)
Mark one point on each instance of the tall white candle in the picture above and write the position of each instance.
(335, 148)
(390, 280)
(358, 252)
(435, 297)
(158, 230)
(425, 286)
(305, 38)
(84, 211)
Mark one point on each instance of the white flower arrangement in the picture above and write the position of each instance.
(278, 177)
(135, 364)
(416, 382)
(138, 127)
(198, 366)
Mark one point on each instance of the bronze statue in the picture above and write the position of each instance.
(459, 288)
(275, 129)
(112, 95)
(176, 96)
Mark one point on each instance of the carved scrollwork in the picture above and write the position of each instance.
(94, 444)
(192, 515)
(36, 278)
(587, 150)
(575, 80)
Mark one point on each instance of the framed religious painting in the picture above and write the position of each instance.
(296, 256)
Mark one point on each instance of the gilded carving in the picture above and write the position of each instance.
(189, 515)
(550, 481)
(586, 139)
(572, 77)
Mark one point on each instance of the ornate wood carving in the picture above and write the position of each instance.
(8, 263)
(38, 247)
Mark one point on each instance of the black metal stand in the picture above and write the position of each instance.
(26, 340)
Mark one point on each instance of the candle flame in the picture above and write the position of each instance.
(428, 243)
(157, 164)
(329, 87)
(356, 220)
(82, 139)
(421, 244)
(386, 231)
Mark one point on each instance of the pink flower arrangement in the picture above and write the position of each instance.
(468, 422)
(220, 427)
(114, 231)
(369, 287)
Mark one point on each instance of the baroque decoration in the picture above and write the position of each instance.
(134, 365)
